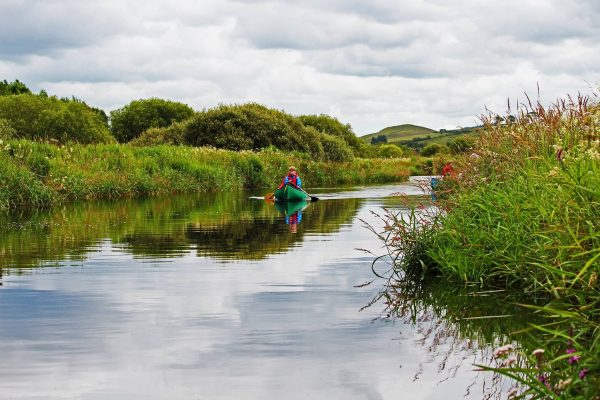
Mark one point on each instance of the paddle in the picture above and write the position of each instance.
(271, 196)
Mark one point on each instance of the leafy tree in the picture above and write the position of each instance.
(460, 145)
(336, 149)
(379, 139)
(389, 151)
(6, 131)
(48, 118)
(331, 125)
(170, 135)
(431, 149)
(11, 88)
(133, 119)
(252, 126)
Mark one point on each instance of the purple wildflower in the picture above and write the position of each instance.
(574, 360)
(583, 373)
(571, 351)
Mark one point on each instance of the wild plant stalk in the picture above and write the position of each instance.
(522, 212)
(35, 175)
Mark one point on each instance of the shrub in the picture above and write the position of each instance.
(330, 125)
(6, 131)
(48, 118)
(336, 149)
(388, 151)
(132, 120)
(251, 127)
(460, 145)
(10, 88)
(431, 149)
(172, 135)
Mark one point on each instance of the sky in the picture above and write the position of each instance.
(372, 64)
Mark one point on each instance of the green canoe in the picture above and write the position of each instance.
(288, 208)
(290, 193)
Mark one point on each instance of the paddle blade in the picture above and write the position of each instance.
(270, 196)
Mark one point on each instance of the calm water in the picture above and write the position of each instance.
(214, 297)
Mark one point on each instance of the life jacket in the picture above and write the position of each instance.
(293, 179)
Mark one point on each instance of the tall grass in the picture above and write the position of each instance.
(34, 175)
(522, 211)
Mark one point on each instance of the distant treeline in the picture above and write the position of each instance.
(149, 122)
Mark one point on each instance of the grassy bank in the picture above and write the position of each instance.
(522, 211)
(35, 175)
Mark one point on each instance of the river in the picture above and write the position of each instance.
(216, 296)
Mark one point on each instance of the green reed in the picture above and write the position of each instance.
(522, 211)
(34, 175)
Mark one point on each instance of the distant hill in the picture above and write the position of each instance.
(416, 137)
(401, 133)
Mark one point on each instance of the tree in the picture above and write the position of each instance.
(11, 88)
(431, 149)
(48, 118)
(331, 125)
(379, 139)
(133, 119)
(460, 145)
(389, 151)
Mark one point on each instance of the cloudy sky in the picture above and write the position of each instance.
(371, 63)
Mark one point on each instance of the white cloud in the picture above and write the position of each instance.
(372, 64)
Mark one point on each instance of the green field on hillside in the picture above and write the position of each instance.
(401, 133)
(417, 137)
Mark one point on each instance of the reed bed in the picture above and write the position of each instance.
(37, 175)
(522, 212)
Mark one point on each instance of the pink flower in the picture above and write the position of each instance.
(574, 360)
(583, 373)
(503, 350)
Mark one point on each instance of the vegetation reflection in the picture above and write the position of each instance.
(224, 225)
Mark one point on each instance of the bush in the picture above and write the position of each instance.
(431, 149)
(132, 120)
(6, 131)
(388, 151)
(336, 149)
(172, 135)
(460, 145)
(252, 127)
(48, 118)
(330, 125)
(10, 88)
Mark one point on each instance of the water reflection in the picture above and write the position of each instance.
(292, 212)
(193, 297)
(220, 225)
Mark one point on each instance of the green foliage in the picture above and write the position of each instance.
(48, 118)
(432, 149)
(330, 125)
(11, 88)
(388, 151)
(251, 127)
(6, 131)
(521, 211)
(132, 120)
(171, 135)
(460, 145)
(379, 139)
(336, 149)
(54, 174)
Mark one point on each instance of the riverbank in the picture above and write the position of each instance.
(38, 175)
(521, 213)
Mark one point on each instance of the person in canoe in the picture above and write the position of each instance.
(291, 178)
